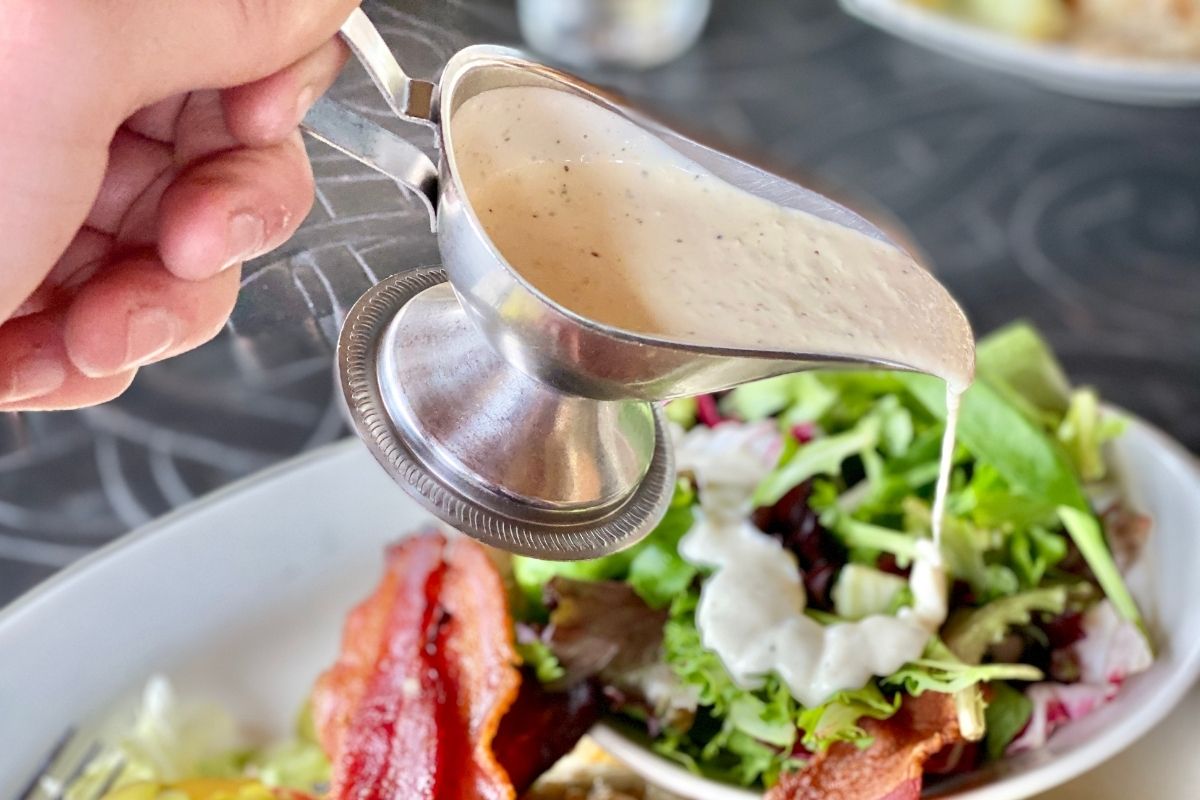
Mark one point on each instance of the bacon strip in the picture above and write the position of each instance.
(427, 670)
(891, 768)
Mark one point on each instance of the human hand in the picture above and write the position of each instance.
(147, 149)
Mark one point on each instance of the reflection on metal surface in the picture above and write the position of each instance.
(485, 447)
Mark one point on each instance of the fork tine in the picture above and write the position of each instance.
(46, 765)
(89, 755)
(64, 764)
(108, 782)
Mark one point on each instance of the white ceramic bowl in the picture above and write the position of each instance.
(240, 598)
(1061, 68)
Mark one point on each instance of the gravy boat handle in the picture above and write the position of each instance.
(372, 144)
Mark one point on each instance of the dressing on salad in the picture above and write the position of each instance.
(751, 610)
(607, 220)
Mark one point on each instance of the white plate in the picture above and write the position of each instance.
(240, 598)
(1062, 68)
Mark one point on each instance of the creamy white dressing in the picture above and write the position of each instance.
(751, 611)
(945, 465)
(608, 221)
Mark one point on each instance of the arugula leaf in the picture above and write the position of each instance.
(1017, 362)
(1008, 712)
(969, 635)
(998, 434)
(1085, 530)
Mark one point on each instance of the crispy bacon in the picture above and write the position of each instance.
(427, 670)
(890, 769)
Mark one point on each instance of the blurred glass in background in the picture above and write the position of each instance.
(635, 34)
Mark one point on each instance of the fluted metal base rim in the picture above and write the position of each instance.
(495, 523)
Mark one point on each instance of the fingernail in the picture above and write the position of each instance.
(245, 238)
(151, 333)
(34, 376)
(304, 101)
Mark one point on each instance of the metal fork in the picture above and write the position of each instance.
(67, 760)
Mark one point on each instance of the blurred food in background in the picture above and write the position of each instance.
(1167, 29)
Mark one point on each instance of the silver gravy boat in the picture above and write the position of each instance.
(510, 417)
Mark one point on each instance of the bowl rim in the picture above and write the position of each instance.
(1063, 68)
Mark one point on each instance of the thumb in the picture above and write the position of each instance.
(173, 46)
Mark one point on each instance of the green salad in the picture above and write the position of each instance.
(1034, 547)
(790, 624)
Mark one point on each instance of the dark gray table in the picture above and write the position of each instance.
(1082, 217)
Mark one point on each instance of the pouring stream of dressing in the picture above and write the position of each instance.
(609, 222)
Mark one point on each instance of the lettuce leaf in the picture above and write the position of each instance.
(1018, 363)
(1085, 530)
(538, 656)
(801, 395)
(999, 434)
(682, 411)
(1033, 551)
(164, 739)
(940, 670)
(870, 539)
(837, 720)
(744, 736)
(823, 456)
(653, 566)
(1084, 431)
(969, 634)
(861, 591)
(295, 764)
(965, 548)
(1008, 712)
